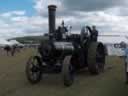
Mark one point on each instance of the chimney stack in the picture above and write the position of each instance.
(52, 19)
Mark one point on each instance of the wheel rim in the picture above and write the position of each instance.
(100, 58)
(68, 71)
(71, 72)
(96, 57)
(33, 70)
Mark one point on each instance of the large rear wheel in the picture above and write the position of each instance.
(96, 57)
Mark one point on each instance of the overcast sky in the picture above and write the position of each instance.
(29, 17)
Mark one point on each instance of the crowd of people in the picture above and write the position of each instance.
(11, 50)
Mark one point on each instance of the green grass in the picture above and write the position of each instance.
(13, 81)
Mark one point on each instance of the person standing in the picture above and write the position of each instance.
(63, 30)
(14, 47)
(58, 34)
(94, 34)
(125, 49)
(85, 33)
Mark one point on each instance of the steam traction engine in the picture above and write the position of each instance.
(65, 55)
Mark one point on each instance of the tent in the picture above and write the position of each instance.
(14, 42)
(112, 39)
(113, 45)
(4, 43)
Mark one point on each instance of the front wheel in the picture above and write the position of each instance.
(68, 71)
(33, 71)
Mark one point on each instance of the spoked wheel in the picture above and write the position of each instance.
(68, 71)
(33, 71)
(96, 58)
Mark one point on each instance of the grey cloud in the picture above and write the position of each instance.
(123, 11)
(92, 5)
(59, 13)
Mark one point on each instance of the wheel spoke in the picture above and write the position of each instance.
(32, 70)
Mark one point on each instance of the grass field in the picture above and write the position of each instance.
(13, 81)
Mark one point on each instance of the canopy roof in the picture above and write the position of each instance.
(4, 42)
(112, 39)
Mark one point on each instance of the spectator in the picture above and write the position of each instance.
(14, 47)
(125, 49)
(7, 48)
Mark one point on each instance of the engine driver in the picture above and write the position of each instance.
(85, 34)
